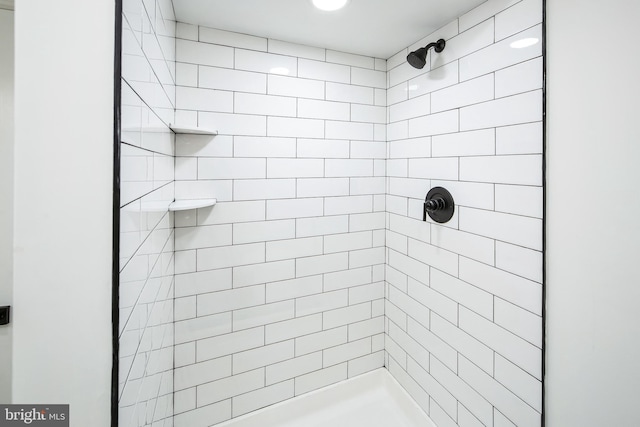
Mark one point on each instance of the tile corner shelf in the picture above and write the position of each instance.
(193, 130)
(183, 205)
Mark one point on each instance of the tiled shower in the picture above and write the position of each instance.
(315, 265)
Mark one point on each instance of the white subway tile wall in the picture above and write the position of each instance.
(463, 305)
(146, 228)
(280, 286)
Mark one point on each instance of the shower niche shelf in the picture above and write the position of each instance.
(192, 130)
(183, 205)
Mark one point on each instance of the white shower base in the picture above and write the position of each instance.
(374, 399)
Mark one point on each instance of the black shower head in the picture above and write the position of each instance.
(418, 58)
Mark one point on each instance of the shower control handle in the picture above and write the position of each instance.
(439, 205)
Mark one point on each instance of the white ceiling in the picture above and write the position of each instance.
(379, 28)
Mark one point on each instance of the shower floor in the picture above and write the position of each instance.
(374, 399)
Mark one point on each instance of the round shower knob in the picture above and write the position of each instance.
(438, 205)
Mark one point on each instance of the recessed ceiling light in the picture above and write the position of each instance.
(329, 5)
(519, 44)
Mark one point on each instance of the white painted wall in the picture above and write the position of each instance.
(593, 344)
(6, 194)
(63, 204)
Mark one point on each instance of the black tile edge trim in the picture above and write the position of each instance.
(115, 249)
(544, 206)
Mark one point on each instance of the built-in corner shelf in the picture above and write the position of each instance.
(193, 130)
(183, 205)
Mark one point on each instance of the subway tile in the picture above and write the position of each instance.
(366, 221)
(434, 124)
(434, 301)
(228, 38)
(186, 31)
(323, 71)
(185, 354)
(436, 79)
(520, 261)
(467, 295)
(432, 255)
(199, 373)
(518, 230)
(201, 146)
(229, 387)
(230, 256)
(184, 400)
(322, 225)
(321, 340)
(410, 227)
(403, 72)
(321, 187)
(321, 264)
(347, 242)
(519, 200)
(260, 273)
(517, 290)
(398, 130)
(474, 143)
(250, 103)
(294, 208)
(262, 315)
(347, 315)
(293, 368)
(397, 242)
(444, 399)
(234, 124)
(396, 355)
(202, 327)
(262, 356)
(439, 415)
(366, 257)
(366, 328)
(348, 167)
(522, 108)
(409, 109)
(409, 306)
(203, 53)
(368, 114)
(252, 232)
(466, 244)
(293, 288)
(524, 324)
(295, 168)
(499, 396)
(265, 62)
(186, 75)
(409, 266)
(350, 59)
(500, 420)
(483, 12)
(292, 86)
(371, 78)
(294, 248)
(321, 302)
(202, 237)
(365, 364)
(193, 98)
(224, 345)
(519, 139)
(522, 353)
(523, 169)
(292, 49)
(347, 205)
(348, 93)
(256, 189)
(466, 93)
(397, 93)
(323, 148)
(289, 127)
(371, 292)
(232, 80)
(466, 43)
(233, 299)
(317, 109)
(202, 282)
(437, 347)
(234, 212)
(519, 17)
(467, 419)
(321, 378)
(293, 328)
(434, 168)
(519, 382)
(416, 392)
(500, 55)
(248, 146)
(519, 78)
(184, 308)
(342, 353)
(413, 349)
(465, 394)
(185, 168)
(261, 398)
(348, 130)
(347, 278)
